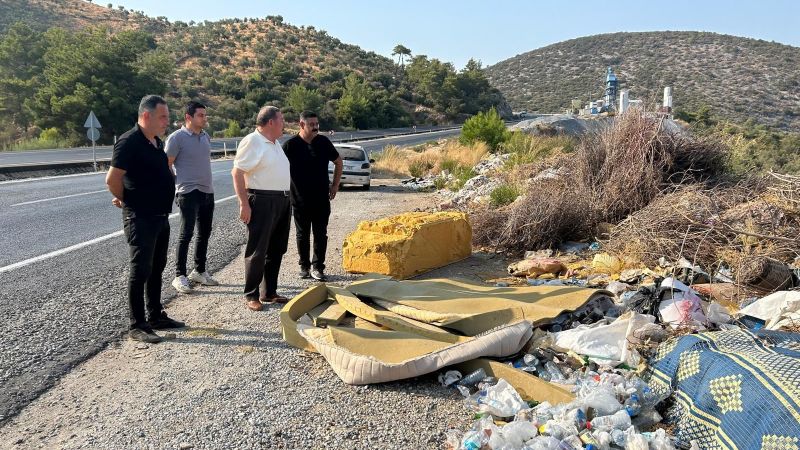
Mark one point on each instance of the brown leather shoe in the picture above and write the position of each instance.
(275, 298)
(254, 305)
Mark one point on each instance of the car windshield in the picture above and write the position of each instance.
(352, 154)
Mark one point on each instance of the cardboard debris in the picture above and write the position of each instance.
(371, 344)
(408, 244)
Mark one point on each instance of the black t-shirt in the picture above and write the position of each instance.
(308, 165)
(148, 184)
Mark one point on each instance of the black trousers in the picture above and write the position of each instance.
(267, 240)
(148, 243)
(312, 219)
(197, 208)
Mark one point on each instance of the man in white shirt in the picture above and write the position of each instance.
(261, 181)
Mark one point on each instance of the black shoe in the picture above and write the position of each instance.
(144, 335)
(164, 322)
(304, 273)
(318, 275)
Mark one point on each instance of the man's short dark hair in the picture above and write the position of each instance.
(305, 115)
(192, 107)
(150, 102)
(266, 114)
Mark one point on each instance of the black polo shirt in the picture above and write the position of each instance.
(308, 166)
(149, 187)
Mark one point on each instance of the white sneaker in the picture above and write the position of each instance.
(181, 284)
(203, 278)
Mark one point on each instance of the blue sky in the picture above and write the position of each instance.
(493, 30)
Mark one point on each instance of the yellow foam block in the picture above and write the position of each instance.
(408, 244)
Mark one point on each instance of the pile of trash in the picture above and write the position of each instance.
(610, 409)
(655, 325)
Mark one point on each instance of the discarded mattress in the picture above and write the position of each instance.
(381, 345)
(733, 389)
(468, 307)
(365, 356)
(408, 244)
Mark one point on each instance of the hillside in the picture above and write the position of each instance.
(233, 65)
(738, 78)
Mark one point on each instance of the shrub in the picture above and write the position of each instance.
(233, 130)
(419, 169)
(503, 195)
(486, 127)
(526, 148)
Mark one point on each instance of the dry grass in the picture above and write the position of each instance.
(611, 175)
(400, 161)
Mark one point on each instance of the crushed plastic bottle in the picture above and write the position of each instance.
(500, 400)
(543, 443)
(472, 378)
(555, 373)
(554, 429)
(619, 420)
(633, 406)
(619, 438)
(474, 440)
(571, 443)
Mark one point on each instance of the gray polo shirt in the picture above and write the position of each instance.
(192, 153)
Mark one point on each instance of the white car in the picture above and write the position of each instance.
(356, 165)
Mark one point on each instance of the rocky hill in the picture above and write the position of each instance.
(738, 78)
(237, 65)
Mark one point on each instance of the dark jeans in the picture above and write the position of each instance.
(267, 239)
(148, 242)
(196, 207)
(312, 219)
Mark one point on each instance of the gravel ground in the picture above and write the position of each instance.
(229, 381)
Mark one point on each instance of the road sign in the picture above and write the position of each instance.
(93, 134)
(92, 122)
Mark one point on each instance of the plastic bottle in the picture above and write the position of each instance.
(571, 443)
(543, 443)
(619, 420)
(530, 360)
(474, 440)
(553, 428)
(473, 378)
(618, 438)
(578, 417)
(632, 405)
(555, 373)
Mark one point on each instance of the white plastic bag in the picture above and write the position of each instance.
(501, 400)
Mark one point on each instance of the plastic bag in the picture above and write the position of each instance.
(500, 400)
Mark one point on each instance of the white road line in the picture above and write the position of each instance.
(78, 246)
(59, 198)
(54, 177)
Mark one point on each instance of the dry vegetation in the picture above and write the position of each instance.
(429, 160)
(659, 193)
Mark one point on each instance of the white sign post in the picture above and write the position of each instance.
(93, 133)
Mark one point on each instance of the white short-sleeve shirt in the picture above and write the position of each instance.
(263, 162)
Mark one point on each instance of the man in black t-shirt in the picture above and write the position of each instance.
(311, 194)
(143, 186)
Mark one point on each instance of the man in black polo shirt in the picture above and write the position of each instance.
(311, 195)
(143, 186)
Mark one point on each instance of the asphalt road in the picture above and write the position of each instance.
(63, 267)
(104, 152)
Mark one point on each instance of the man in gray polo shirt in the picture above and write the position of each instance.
(189, 152)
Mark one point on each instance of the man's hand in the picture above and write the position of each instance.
(244, 213)
(333, 190)
(116, 202)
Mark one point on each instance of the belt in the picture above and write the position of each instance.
(267, 192)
